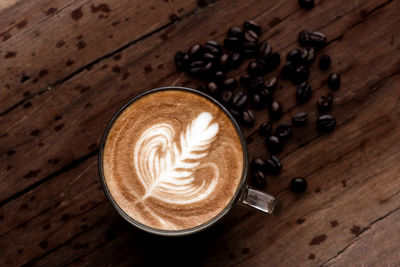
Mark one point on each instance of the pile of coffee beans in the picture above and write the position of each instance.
(212, 61)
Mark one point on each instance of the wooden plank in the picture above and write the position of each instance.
(78, 115)
(44, 50)
(353, 152)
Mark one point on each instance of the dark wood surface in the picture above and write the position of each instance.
(68, 65)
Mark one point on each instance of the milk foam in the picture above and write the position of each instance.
(166, 168)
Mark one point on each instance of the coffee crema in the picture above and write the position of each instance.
(172, 160)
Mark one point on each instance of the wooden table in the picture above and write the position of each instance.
(68, 65)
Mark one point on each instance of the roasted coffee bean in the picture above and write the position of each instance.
(207, 57)
(304, 38)
(195, 51)
(300, 119)
(225, 62)
(324, 103)
(324, 62)
(334, 81)
(273, 165)
(317, 39)
(306, 4)
(301, 74)
(288, 70)
(233, 43)
(182, 60)
(236, 60)
(298, 185)
(196, 64)
(258, 101)
(219, 77)
(258, 180)
(226, 97)
(275, 110)
(258, 164)
(303, 93)
(209, 70)
(266, 95)
(212, 88)
(197, 72)
(229, 84)
(274, 145)
(274, 61)
(252, 26)
(250, 36)
(248, 118)
(256, 84)
(294, 56)
(283, 131)
(249, 49)
(245, 80)
(255, 69)
(271, 84)
(213, 47)
(235, 32)
(235, 113)
(265, 129)
(307, 56)
(202, 88)
(239, 100)
(264, 50)
(326, 123)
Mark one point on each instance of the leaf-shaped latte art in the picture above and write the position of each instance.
(166, 169)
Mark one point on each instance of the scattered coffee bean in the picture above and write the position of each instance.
(299, 119)
(307, 56)
(233, 43)
(212, 88)
(298, 185)
(266, 95)
(182, 60)
(196, 51)
(264, 50)
(265, 129)
(275, 110)
(324, 62)
(219, 77)
(294, 56)
(197, 72)
(236, 60)
(196, 64)
(245, 80)
(304, 38)
(225, 62)
(274, 145)
(248, 118)
(254, 68)
(257, 101)
(288, 70)
(334, 81)
(317, 39)
(258, 164)
(207, 57)
(213, 47)
(250, 36)
(249, 49)
(271, 84)
(273, 165)
(326, 123)
(273, 62)
(283, 131)
(258, 180)
(256, 84)
(324, 103)
(306, 4)
(226, 97)
(301, 74)
(235, 113)
(229, 84)
(235, 32)
(303, 93)
(209, 71)
(239, 100)
(252, 26)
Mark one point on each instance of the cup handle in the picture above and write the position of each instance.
(261, 201)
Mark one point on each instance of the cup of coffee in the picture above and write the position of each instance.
(173, 161)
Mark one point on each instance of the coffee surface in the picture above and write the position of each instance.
(172, 160)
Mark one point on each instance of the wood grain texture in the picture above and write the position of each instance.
(53, 211)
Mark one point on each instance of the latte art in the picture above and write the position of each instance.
(166, 168)
(172, 160)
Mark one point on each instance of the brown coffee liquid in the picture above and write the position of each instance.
(173, 160)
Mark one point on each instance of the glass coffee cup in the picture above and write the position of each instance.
(168, 202)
